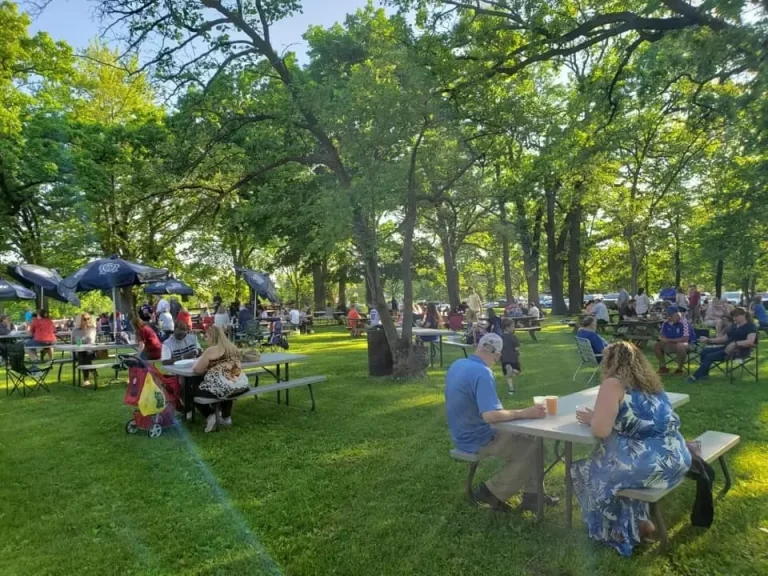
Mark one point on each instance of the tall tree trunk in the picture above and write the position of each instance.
(745, 294)
(554, 261)
(318, 284)
(449, 260)
(634, 260)
(719, 279)
(342, 286)
(574, 257)
(505, 250)
(678, 261)
(531, 246)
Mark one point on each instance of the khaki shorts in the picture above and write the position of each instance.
(671, 347)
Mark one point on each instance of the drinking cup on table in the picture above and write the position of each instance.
(540, 401)
(551, 403)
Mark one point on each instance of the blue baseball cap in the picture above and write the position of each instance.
(672, 310)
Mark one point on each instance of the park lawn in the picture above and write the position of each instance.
(364, 486)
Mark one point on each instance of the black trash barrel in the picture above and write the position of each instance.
(379, 355)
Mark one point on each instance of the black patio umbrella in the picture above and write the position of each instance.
(43, 281)
(110, 274)
(169, 287)
(11, 291)
(260, 284)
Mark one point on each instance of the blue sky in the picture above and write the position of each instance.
(73, 21)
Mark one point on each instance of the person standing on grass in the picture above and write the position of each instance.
(84, 332)
(694, 304)
(475, 305)
(738, 343)
(677, 335)
(471, 406)
(642, 303)
(622, 301)
(510, 353)
(149, 346)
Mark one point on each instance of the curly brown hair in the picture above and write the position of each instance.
(625, 362)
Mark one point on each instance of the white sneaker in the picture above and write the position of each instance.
(86, 383)
(226, 422)
(210, 425)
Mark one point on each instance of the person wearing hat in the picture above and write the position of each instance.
(739, 343)
(472, 405)
(676, 337)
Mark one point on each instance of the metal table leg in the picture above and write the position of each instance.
(540, 479)
(568, 485)
(441, 350)
(287, 392)
(277, 375)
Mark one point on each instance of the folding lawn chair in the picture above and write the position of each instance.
(251, 335)
(748, 364)
(19, 371)
(588, 358)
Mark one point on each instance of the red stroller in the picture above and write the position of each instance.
(154, 424)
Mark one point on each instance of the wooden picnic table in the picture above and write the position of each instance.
(564, 428)
(187, 376)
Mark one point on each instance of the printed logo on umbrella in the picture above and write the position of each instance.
(108, 268)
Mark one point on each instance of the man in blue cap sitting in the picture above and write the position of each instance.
(677, 335)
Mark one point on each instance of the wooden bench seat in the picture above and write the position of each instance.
(113, 366)
(277, 387)
(714, 445)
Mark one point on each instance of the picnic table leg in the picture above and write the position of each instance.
(533, 335)
(540, 479)
(186, 391)
(277, 375)
(74, 367)
(287, 391)
(441, 351)
(568, 485)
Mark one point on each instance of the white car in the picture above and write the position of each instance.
(732, 297)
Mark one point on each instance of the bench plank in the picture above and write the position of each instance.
(713, 446)
(457, 454)
(287, 385)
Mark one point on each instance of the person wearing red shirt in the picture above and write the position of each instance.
(185, 317)
(150, 347)
(43, 334)
(694, 304)
(455, 320)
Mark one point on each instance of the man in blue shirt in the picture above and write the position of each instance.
(472, 405)
(588, 332)
(758, 311)
(677, 335)
(741, 339)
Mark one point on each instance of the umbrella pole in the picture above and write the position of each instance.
(114, 306)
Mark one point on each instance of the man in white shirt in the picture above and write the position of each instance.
(163, 306)
(642, 303)
(181, 345)
(533, 311)
(165, 320)
(600, 312)
(295, 316)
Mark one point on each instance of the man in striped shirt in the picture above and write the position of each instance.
(181, 345)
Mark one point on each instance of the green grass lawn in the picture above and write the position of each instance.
(364, 486)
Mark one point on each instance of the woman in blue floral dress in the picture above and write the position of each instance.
(641, 447)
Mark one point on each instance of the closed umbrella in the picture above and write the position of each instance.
(11, 291)
(110, 274)
(43, 281)
(169, 287)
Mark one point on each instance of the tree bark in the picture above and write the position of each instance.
(555, 247)
(318, 285)
(678, 261)
(634, 260)
(444, 233)
(505, 250)
(342, 299)
(531, 246)
(575, 296)
(719, 279)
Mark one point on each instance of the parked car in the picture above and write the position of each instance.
(732, 297)
(612, 300)
(545, 300)
(588, 297)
